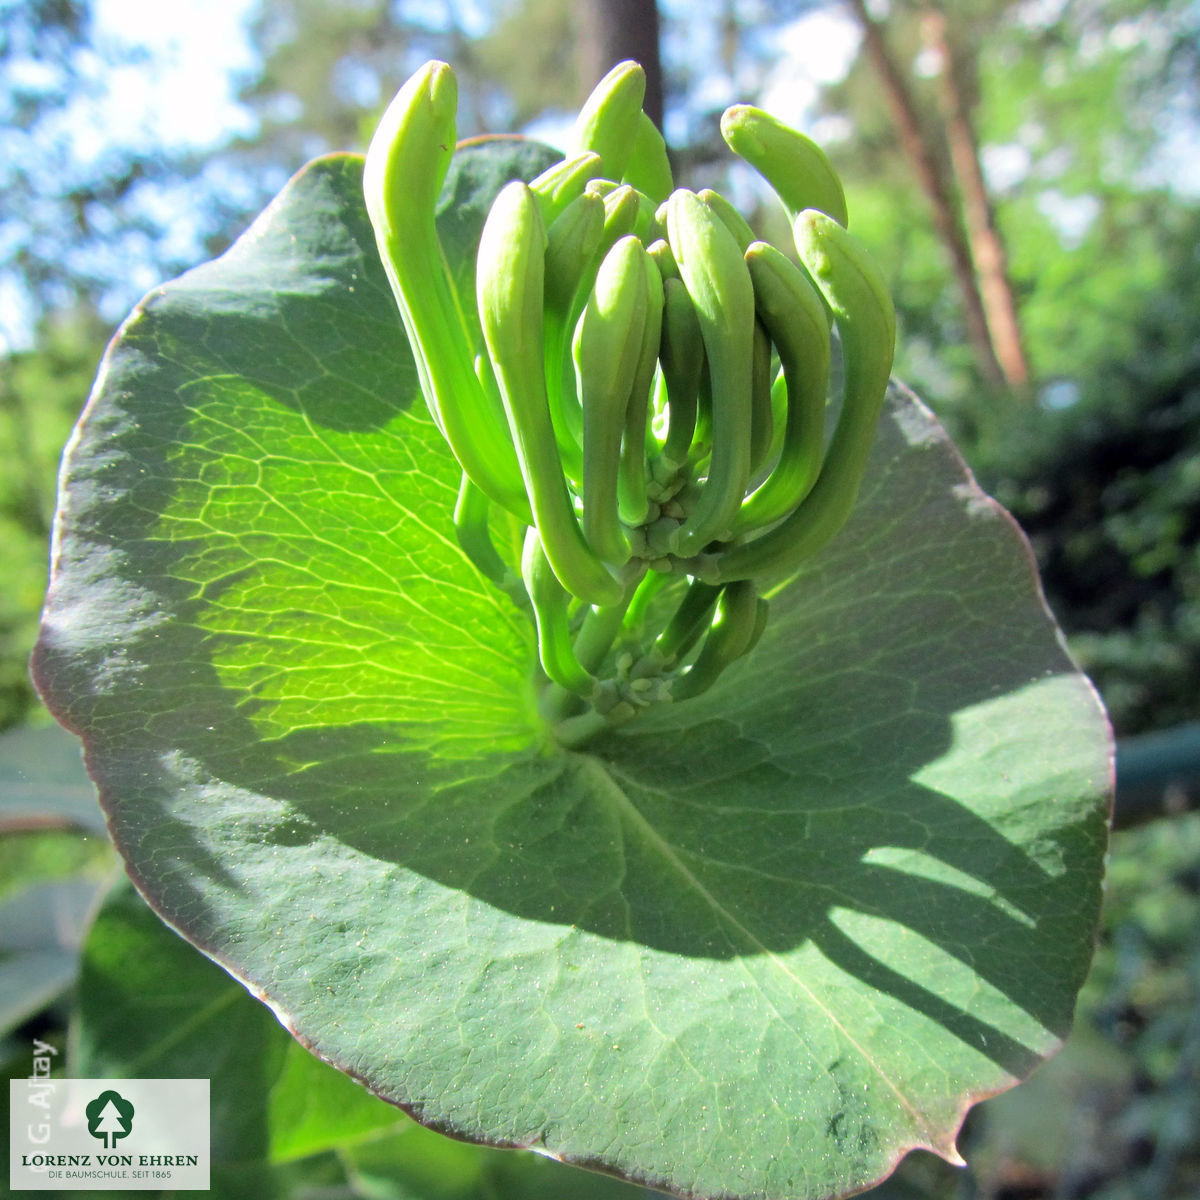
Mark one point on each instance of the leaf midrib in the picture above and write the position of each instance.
(633, 816)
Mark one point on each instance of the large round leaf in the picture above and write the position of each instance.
(148, 1005)
(758, 944)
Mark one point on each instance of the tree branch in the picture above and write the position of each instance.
(929, 175)
(987, 246)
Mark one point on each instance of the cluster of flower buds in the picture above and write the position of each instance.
(649, 398)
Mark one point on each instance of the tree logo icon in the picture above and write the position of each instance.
(109, 1117)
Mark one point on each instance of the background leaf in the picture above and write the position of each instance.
(151, 1005)
(40, 932)
(52, 866)
(760, 944)
(43, 784)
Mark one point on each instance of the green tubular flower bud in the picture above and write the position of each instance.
(471, 529)
(622, 206)
(559, 185)
(731, 636)
(702, 437)
(647, 227)
(794, 165)
(510, 279)
(621, 209)
(608, 121)
(681, 355)
(718, 281)
(660, 251)
(633, 621)
(796, 320)
(762, 613)
(645, 223)
(689, 622)
(649, 169)
(632, 501)
(608, 353)
(761, 419)
(778, 418)
(733, 220)
(853, 287)
(574, 239)
(405, 166)
(600, 629)
(551, 612)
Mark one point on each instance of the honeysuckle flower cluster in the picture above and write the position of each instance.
(650, 394)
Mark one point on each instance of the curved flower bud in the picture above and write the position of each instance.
(854, 290)
(733, 220)
(559, 185)
(509, 280)
(405, 166)
(622, 207)
(660, 251)
(608, 121)
(737, 624)
(574, 241)
(632, 501)
(794, 165)
(715, 273)
(649, 169)
(608, 351)
(551, 605)
(795, 318)
(681, 356)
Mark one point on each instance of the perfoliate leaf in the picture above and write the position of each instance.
(759, 944)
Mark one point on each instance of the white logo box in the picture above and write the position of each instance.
(108, 1134)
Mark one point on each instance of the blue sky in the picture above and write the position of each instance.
(182, 94)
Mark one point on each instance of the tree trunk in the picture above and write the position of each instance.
(929, 175)
(614, 30)
(987, 246)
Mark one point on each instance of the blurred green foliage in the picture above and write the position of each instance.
(1101, 461)
(1108, 489)
(42, 392)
